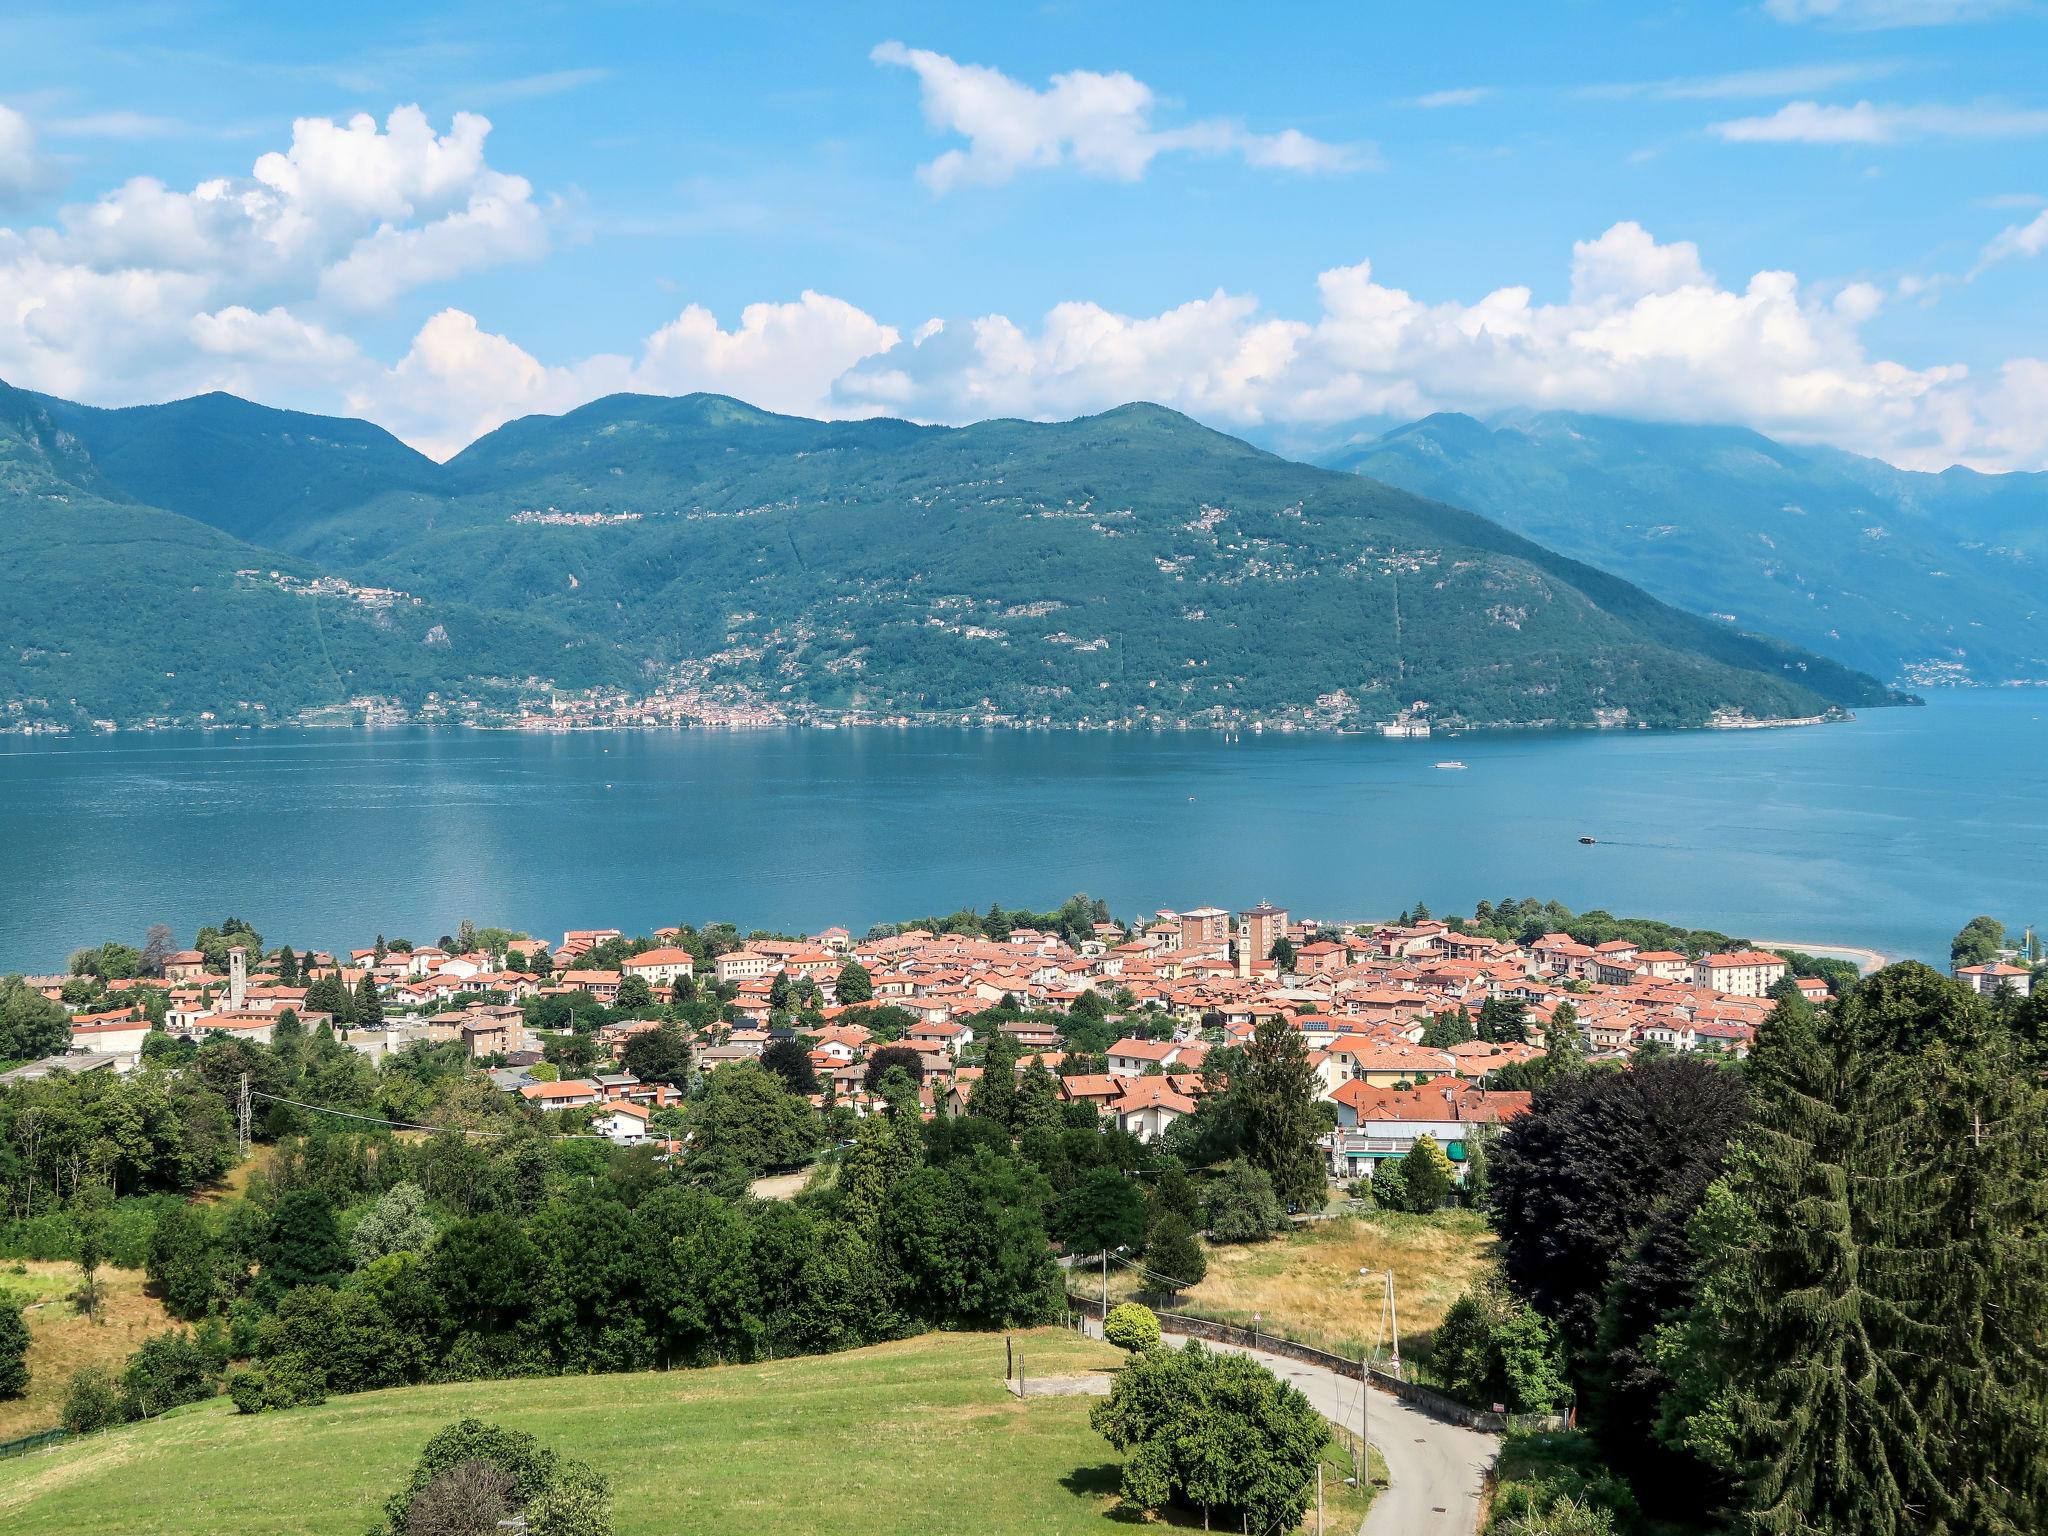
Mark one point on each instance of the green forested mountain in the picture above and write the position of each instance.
(247, 469)
(1126, 566)
(112, 610)
(1890, 570)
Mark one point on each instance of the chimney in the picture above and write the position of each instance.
(238, 979)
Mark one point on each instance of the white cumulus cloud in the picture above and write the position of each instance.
(458, 381)
(1812, 122)
(1646, 331)
(236, 282)
(1100, 124)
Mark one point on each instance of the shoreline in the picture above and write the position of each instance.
(1381, 731)
(1865, 960)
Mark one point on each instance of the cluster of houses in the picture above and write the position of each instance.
(1183, 982)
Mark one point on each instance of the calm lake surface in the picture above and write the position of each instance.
(1888, 833)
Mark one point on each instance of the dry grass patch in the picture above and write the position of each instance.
(1305, 1283)
(63, 1340)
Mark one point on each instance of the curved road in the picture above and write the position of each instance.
(1435, 1471)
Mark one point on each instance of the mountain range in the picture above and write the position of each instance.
(217, 558)
(1927, 577)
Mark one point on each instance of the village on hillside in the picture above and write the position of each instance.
(1412, 1028)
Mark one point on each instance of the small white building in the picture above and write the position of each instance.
(741, 965)
(1993, 974)
(659, 967)
(1130, 1057)
(1741, 973)
(621, 1121)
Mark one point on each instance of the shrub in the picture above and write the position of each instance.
(288, 1381)
(93, 1401)
(1131, 1326)
(13, 1352)
(1242, 1207)
(1432, 1183)
(1173, 1254)
(1491, 1348)
(472, 1474)
(1389, 1186)
(169, 1370)
(468, 1499)
(1562, 1516)
(1216, 1431)
(397, 1223)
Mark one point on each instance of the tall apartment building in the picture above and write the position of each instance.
(1259, 929)
(1204, 928)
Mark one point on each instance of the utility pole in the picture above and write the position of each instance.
(1319, 1499)
(242, 1118)
(1105, 1293)
(1362, 1462)
(1394, 1322)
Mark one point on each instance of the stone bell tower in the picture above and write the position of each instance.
(238, 979)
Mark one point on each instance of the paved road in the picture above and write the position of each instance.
(1435, 1471)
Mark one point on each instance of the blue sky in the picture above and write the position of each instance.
(1284, 219)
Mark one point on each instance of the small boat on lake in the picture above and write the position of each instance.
(1453, 763)
(1588, 841)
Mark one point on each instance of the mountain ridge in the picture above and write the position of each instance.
(1128, 567)
(1929, 576)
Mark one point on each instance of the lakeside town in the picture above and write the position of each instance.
(1411, 1028)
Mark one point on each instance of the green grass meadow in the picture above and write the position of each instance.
(915, 1437)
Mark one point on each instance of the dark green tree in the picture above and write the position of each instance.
(1241, 1205)
(13, 1352)
(898, 1057)
(1427, 1177)
(1275, 1096)
(304, 1246)
(1038, 1098)
(31, 1026)
(658, 1055)
(169, 1370)
(746, 1116)
(994, 1096)
(1173, 1254)
(791, 1061)
(1105, 1210)
(1886, 1361)
(1504, 1021)
(1980, 940)
(855, 985)
(183, 1265)
(1492, 1348)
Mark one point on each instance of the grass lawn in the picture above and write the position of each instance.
(61, 1340)
(898, 1440)
(1305, 1282)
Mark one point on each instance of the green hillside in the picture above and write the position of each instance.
(1128, 567)
(898, 1440)
(1120, 566)
(1889, 570)
(117, 611)
(247, 469)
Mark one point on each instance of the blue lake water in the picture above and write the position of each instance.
(1889, 832)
